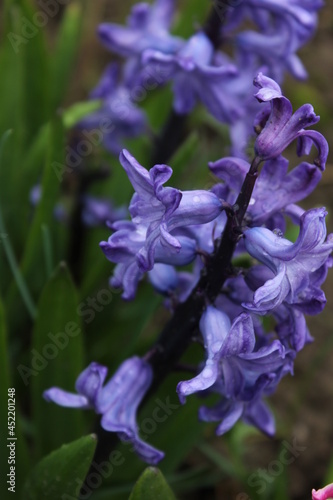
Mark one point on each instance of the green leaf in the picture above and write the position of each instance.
(152, 485)
(33, 254)
(193, 13)
(329, 473)
(21, 458)
(78, 111)
(64, 56)
(4, 377)
(4, 238)
(218, 459)
(60, 475)
(56, 361)
(35, 81)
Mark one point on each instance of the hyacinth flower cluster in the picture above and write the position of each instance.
(244, 217)
(197, 69)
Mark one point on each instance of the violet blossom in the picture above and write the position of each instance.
(275, 188)
(195, 78)
(294, 265)
(283, 127)
(119, 117)
(231, 357)
(157, 212)
(117, 401)
(148, 27)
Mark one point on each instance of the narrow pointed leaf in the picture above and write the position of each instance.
(33, 254)
(56, 360)
(152, 485)
(61, 473)
(64, 56)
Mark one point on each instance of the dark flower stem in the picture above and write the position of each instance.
(170, 139)
(215, 21)
(178, 332)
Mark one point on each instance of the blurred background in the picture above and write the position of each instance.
(198, 464)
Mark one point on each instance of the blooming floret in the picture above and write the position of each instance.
(147, 28)
(117, 401)
(196, 77)
(294, 266)
(283, 127)
(158, 212)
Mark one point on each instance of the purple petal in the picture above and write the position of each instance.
(67, 399)
(214, 326)
(164, 278)
(90, 381)
(240, 338)
(259, 415)
(196, 207)
(119, 39)
(137, 174)
(230, 170)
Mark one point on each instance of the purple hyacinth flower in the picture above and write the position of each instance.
(214, 326)
(265, 13)
(275, 49)
(118, 118)
(283, 27)
(195, 78)
(294, 265)
(147, 27)
(291, 325)
(164, 209)
(232, 360)
(98, 211)
(275, 187)
(124, 246)
(117, 401)
(283, 127)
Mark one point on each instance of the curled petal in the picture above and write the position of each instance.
(282, 126)
(138, 175)
(214, 326)
(230, 170)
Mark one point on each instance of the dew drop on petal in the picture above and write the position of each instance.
(278, 232)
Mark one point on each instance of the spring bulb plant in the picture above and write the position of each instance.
(187, 243)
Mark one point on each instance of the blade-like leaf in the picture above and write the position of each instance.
(152, 485)
(56, 361)
(64, 56)
(31, 269)
(61, 474)
(10, 422)
(4, 377)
